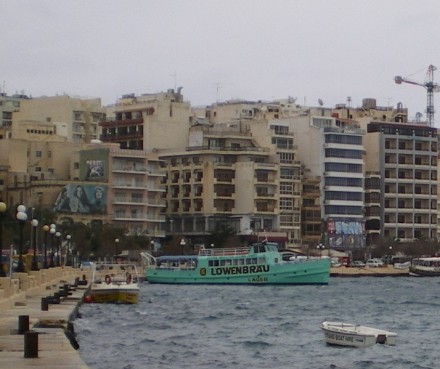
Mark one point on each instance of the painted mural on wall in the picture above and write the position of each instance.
(79, 198)
(342, 234)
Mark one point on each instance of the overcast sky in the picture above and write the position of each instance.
(221, 50)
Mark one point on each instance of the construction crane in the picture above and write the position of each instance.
(430, 86)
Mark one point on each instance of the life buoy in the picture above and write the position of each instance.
(128, 278)
(108, 280)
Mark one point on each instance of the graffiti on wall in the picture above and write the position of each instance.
(345, 234)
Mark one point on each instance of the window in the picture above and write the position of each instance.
(286, 189)
(286, 157)
(286, 204)
(38, 154)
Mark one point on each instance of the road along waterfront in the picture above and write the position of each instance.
(30, 335)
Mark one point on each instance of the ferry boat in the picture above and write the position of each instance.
(259, 264)
(425, 267)
(113, 283)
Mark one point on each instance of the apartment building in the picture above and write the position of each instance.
(159, 121)
(74, 119)
(121, 187)
(222, 176)
(331, 150)
(402, 161)
(270, 126)
(8, 106)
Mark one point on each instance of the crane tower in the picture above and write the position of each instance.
(430, 86)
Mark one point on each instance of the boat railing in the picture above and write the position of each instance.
(148, 259)
(225, 251)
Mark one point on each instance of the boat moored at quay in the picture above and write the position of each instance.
(425, 267)
(113, 283)
(260, 263)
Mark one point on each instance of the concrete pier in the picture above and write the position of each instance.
(49, 341)
(386, 271)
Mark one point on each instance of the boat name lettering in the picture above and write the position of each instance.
(339, 337)
(240, 269)
(258, 279)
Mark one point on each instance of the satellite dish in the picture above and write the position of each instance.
(320, 102)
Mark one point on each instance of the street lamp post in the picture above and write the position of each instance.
(68, 251)
(46, 231)
(151, 246)
(116, 247)
(53, 228)
(2, 212)
(58, 244)
(21, 217)
(34, 265)
(320, 247)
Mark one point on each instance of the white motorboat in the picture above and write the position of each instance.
(347, 334)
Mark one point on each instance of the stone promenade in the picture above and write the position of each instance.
(36, 333)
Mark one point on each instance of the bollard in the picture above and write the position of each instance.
(23, 324)
(30, 344)
(70, 327)
(44, 304)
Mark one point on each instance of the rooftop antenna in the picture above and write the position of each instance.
(218, 87)
(175, 79)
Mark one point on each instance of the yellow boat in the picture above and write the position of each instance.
(114, 283)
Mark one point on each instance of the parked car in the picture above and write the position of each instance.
(358, 264)
(374, 263)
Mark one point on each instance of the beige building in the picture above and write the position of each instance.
(122, 187)
(159, 121)
(8, 106)
(75, 119)
(270, 125)
(222, 176)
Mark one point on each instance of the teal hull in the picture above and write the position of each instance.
(312, 271)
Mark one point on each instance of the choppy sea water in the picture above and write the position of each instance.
(242, 327)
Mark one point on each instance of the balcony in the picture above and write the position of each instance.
(122, 122)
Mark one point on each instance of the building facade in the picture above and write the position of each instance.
(404, 157)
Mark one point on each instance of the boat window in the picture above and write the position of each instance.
(240, 261)
(234, 261)
(222, 262)
(213, 263)
(228, 262)
(259, 248)
(251, 261)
